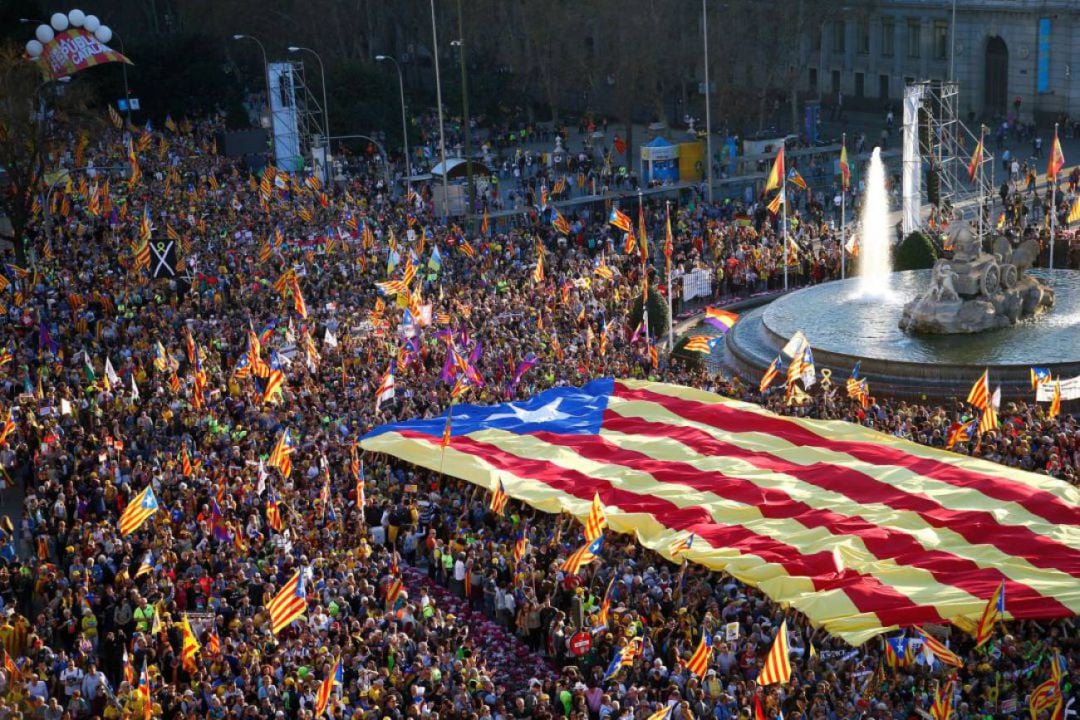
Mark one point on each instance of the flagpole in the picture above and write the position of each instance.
(643, 251)
(1053, 195)
(645, 320)
(783, 198)
(982, 196)
(641, 231)
(670, 323)
(843, 215)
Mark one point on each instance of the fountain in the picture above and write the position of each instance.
(875, 265)
(924, 333)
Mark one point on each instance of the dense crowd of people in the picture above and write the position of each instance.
(117, 381)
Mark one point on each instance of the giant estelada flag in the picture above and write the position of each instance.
(860, 531)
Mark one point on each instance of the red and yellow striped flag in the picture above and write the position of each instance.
(213, 643)
(699, 661)
(668, 460)
(939, 650)
(281, 455)
(942, 707)
(979, 396)
(976, 160)
(777, 174)
(289, 604)
(845, 169)
(597, 521)
(1055, 401)
(326, 687)
(698, 344)
(992, 614)
(189, 646)
(1057, 159)
(138, 511)
(498, 499)
(583, 556)
(777, 667)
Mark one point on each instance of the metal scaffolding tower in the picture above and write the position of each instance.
(310, 116)
(946, 148)
(296, 117)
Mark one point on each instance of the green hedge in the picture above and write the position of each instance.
(658, 310)
(915, 252)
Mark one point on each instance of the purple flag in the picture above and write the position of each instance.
(523, 367)
(474, 356)
(45, 340)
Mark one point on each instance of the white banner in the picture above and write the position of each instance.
(697, 284)
(1070, 390)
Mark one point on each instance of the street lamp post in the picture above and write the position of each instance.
(325, 108)
(404, 123)
(471, 191)
(952, 44)
(266, 78)
(438, 99)
(708, 110)
(123, 72)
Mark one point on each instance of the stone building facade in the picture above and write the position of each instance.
(1004, 51)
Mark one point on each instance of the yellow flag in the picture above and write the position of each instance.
(1074, 211)
(189, 646)
(776, 175)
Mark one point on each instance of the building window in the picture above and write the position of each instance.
(813, 81)
(835, 82)
(914, 38)
(860, 85)
(941, 40)
(883, 86)
(817, 40)
(888, 37)
(838, 38)
(864, 38)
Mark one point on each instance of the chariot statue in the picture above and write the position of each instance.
(975, 290)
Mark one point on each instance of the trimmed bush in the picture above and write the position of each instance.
(658, 326)
(915, 252)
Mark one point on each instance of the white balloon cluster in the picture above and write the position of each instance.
(60, 22)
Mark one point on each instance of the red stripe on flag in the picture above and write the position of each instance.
(867, 593)
(1038, 502)
(975, 526)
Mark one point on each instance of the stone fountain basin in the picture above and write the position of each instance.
(844, 328)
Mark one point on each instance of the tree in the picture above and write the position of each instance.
(658, 324)
(642, 57)
(547, 44)
(916, 252)
(34, 113)
(22, 141)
